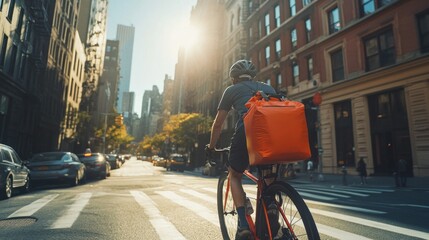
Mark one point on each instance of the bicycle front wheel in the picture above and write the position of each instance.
(228, 217)
(296, 221)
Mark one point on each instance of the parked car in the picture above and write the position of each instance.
(96, 164)
(114, 160)
(13, 173)
(176, 162)
(159, 162)
(57, 166)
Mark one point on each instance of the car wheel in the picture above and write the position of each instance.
(7, 189)
(75, 180)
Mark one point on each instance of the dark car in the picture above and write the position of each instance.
(114, 160)
(57, 166)
(96, 164)
(176, 162)
(13, 173)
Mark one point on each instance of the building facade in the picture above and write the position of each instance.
(367, 60)
(125, 35)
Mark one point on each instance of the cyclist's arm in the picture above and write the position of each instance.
(217, 127)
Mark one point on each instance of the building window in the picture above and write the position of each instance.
(278, 49)
(293, 38)
(310, 68)
(344, 133)
(277, 16)
(1, 5)
(268, 81)
(3, 51)
(238, 16)
(380, 50)
(292, 7)
(423, 22)
(267, 55)
(250, 4)
(267, 24)
(295, 73)
(306, 2)
(279, 80)
(308, 29)
(334, 20)
(366, 7)
(231, 25)
(337, 65)
(13, 59)
(10, 10)
(260, 28)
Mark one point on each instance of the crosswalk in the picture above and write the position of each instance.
(201, 202)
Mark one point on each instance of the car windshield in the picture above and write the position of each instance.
(44, 157)
(88, 158)
(178, 159)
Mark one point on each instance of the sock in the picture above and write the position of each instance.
(242, 221)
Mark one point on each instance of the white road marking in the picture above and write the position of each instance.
(337, 233)
(373, 224)
(345, 207)
(300, 190)
(164, 228)
(67, 220)
(197, 208)
(199, 195)
(33, 207)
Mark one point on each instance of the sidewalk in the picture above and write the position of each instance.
(354, 180)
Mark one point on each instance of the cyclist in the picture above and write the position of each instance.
(235, 96)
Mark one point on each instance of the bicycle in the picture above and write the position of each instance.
(294, 218)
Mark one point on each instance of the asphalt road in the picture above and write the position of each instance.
(140, 201)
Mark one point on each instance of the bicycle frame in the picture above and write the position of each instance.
(260, 186)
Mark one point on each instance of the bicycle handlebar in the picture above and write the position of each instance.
(209, 157)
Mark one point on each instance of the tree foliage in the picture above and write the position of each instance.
(180, 131)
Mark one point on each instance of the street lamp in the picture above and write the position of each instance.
(317, 100)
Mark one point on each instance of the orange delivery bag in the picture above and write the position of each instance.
(276, 130)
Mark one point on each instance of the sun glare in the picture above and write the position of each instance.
(186, 36)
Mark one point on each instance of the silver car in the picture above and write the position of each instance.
(13, 173)
(57, 166)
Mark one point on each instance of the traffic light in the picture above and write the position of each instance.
(119, 120)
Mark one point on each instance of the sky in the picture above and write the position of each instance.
(160, 28)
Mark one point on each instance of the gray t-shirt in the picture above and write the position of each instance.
(235, 96)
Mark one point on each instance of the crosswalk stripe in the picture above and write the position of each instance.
(337, 233)
(33, 207)
(197, 208)
(199, 195)
(67, 220)
(324, 193)
(315, 196)
(212, 190)
(164, 228)
(344, 207)
(373, 224)
(336, 191)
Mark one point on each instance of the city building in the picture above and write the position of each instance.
(125, 35)
(109, 82)
(367, 59)
(25, 28)
(151, 112)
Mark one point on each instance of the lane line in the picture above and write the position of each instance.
(322, 190)
(345, 207)
(33, 207)
(300, 190)
(67, 220)
(197, 208)
(164, 228)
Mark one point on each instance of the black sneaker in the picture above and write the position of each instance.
(243, 234)
(273, 216)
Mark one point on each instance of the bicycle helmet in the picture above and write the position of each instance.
(242, 68)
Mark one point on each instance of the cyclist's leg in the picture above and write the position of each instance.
(295, 218)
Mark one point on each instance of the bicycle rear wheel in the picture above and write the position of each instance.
(228, 217)
(296, 221)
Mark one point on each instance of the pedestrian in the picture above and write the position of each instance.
(361, 168)
(310, 169)
(402, 172)
(344, 175)
(235, 97)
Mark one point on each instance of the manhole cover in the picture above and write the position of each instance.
(17, 222)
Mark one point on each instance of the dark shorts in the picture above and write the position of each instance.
(238, 156)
